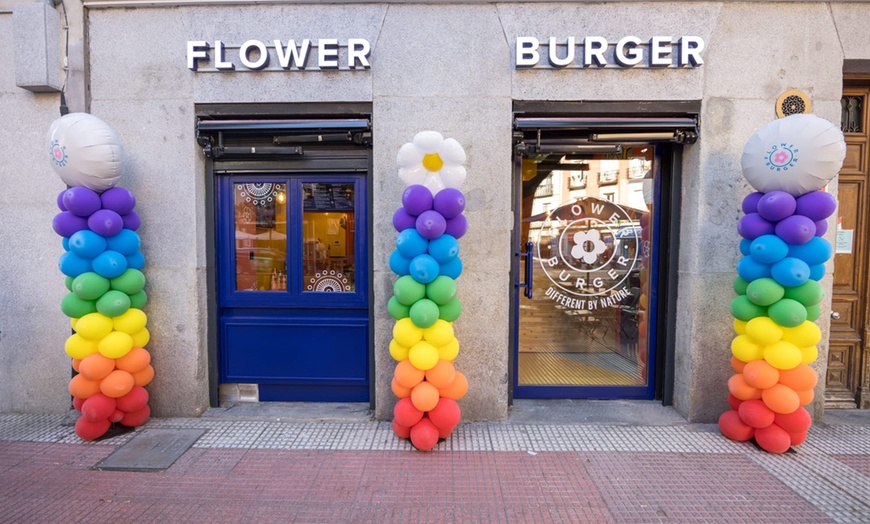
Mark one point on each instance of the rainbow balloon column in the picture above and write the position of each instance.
(424, 302)
(103, 266)
(787, 161)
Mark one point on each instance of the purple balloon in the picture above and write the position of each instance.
(131, 221)
(821, 227)
(403, 220)
(796, 229)
(752, 226)
(750, 203)
(817, 205)
(60, 201)
(65, 224)
(417, 199)
(776, 205)
(450, 202)
(118, 199)
(81, 201)
(456, 226)
(430, 224)
(106, 222)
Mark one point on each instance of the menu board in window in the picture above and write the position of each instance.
(327, 197)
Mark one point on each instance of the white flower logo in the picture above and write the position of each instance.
(581, 239)
(432, 161)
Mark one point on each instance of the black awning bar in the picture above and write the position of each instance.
(348, 124)
(585, 123)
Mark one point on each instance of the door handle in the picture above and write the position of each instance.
(835, 315)
(527, 285)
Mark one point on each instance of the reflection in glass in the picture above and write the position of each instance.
(260, 236)
(328, 233)
(586, 324)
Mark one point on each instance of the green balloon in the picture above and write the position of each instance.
(743, 309)
(424, 313)
(764, 291)
(397, 310)
(740, 286)
(75, 307)
(90, 286)
(788, 313)
(814, 312)
(809, 293)
(68, 282)
(441, 290)
(113, 303)
(407, 290)
(130, 281)
(451, 310)
(138, 300)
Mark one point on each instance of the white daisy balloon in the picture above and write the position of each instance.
(432, 161)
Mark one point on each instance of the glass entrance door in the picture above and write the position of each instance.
(587, 238)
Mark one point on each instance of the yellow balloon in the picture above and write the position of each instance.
(73, 322)
(439, 334)
(643, 301)
(406, 333)
(804, 335)
(115, 345)
(809, 354)
(398, 351)
(94, 326)
(141, 338)
(745, 349)
(763, 330)
(423, 355)
(783, 355)
(78, 347)
(739, 326)
(449, 350)
(131, 321)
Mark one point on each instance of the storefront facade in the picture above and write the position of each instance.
(237, 232)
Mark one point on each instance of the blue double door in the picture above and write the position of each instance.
(293, 300)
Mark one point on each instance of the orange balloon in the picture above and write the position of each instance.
(96, 366)
(759, 374)
(75, 364)
(82, 388)
(737, 364)
(457, 389)
(800, 378)
(144, 377)
(407, 375)
(117, 384)
(134, 361)
(738, 387)
(424, 396)
(781, 399)
(400, 391)
(806, 396)
(441, 375)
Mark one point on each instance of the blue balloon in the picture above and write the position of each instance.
(790, 272)
(452, 269)
(399, 264)
(750, 269)
(73, 265)
(126, 242)
(65, 243)
(444, 248)
(817, 272)
(768, 249)
(816, 251)
(424, 269)
(136, 260)
(410, 243)
(744, 246)
(109, 264)
(87, 244)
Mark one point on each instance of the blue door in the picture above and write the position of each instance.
(293, 285)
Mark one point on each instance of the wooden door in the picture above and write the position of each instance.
(848, 377)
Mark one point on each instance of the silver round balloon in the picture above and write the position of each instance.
(85, 152)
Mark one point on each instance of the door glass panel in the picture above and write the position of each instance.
(328, 235)
(588, 220)
(260, 236)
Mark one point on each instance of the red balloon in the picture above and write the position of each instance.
(136, 418)
(117, 416)
(98, 407)
(400, 430)
(135, 400)
(446, 414)
(798, 438)
(799, 421)
(756, 414)
(77, 403)
(405, 413)
(87, 430)
(773, 439)
(424, 435)
(444, 433)
(734, 402)
(732, 427)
